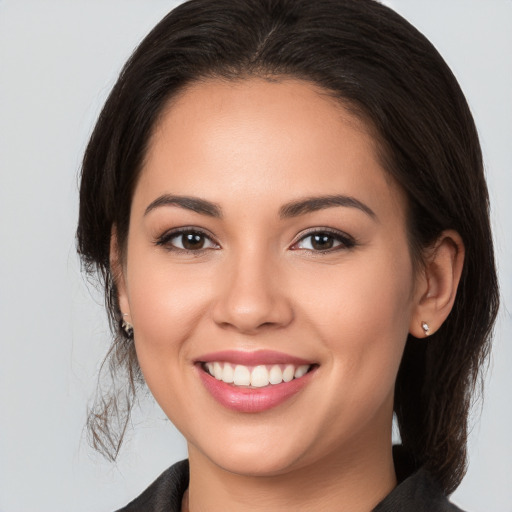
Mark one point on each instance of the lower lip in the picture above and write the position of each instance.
(252, 400)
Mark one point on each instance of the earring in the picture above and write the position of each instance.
(425, 328)
(127, 326)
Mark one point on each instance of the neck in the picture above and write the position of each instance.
(352, 482)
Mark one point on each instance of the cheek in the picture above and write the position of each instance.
(361, 311)
(165, 297)
(166, 308)
(161, 312)
(166, 305)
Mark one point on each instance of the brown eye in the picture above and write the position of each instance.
(186, 241)
(323, 241)
(192, 241)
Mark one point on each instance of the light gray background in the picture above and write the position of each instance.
(58, 60)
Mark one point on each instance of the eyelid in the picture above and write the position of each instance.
(347, 241)
(164, 239)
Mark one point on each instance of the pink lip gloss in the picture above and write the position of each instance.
(252, 399)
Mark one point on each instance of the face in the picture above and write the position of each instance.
(268, 247)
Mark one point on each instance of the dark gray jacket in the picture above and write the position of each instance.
(416, 492)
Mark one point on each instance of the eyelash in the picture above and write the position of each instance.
(345, 241)
(165, 240)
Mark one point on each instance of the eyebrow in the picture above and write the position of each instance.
(188, 203)
(313, 204)
(289, 210)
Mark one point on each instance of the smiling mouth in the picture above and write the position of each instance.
(258, 376)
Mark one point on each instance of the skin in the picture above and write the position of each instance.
(251, 147)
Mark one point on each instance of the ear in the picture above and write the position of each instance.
(118, 273)
(437, 284)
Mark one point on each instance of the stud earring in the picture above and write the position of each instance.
(425, 328)
(127, 326)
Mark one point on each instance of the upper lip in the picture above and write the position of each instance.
(252, 358)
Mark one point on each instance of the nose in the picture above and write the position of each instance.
(252, 297)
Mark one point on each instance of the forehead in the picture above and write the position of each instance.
(257, 138)
(248, 109)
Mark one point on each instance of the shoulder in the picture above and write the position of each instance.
(416, 491)
(165, 493)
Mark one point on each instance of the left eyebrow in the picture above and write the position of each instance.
(313, 204)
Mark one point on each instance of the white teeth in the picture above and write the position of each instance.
(259, 377)
(242, 376)
(301, 371)
(289, 373)
(217, 371)
(276, 375)
(228, 374)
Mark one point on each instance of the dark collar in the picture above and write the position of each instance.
(416, 490)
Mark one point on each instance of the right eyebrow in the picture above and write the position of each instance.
(188, 203)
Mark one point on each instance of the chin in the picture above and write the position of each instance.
(256, 463)
(252, 456)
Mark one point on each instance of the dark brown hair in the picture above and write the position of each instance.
(390, 75)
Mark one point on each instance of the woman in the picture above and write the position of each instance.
(286, 202)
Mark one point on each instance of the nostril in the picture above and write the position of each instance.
(250, 302)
